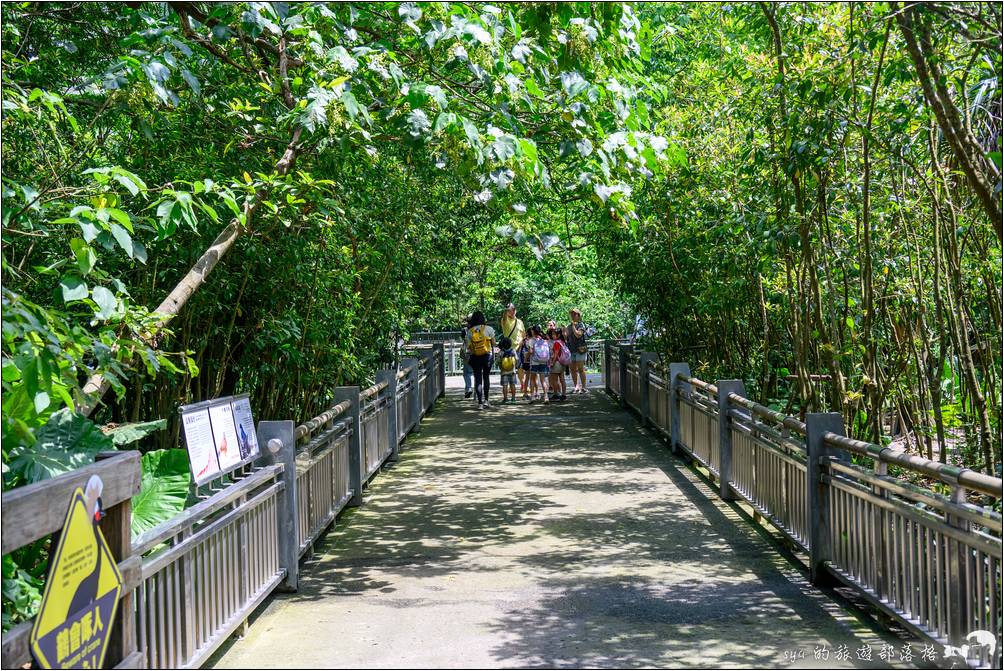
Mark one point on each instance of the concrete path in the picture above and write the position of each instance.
(535, 536)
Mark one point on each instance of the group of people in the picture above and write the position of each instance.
(539, 358)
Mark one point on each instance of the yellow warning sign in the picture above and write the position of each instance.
(81, 592)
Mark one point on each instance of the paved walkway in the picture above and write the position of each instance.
(561, 536)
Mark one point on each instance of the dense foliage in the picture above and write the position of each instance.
(201, 199)
(823, 221)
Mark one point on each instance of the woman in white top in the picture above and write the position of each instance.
(480, 346)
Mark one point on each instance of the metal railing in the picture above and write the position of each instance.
(919, 539)
(206, 570)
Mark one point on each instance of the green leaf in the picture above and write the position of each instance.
(66, 442)
(86, 258)
(124, 434)
(163, 490)
(122, 237)
(74, 288)
(106, 302)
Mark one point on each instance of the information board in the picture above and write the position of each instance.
(219, 436)
(247, 439)
(199, 443)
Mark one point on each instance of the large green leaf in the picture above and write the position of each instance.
(130, 433)
(164, 489)
(66, 442)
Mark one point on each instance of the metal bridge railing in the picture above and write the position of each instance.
(205, 571)
(873, 518)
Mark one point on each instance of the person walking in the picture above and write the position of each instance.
(511, 327)
(481, 345)
(576, 340)
(465, 356)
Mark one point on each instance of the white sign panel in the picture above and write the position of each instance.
(225, 435)
(247, 439)
(200, 444)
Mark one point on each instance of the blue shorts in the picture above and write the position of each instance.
(580, 358)
(540, 368)
(508, 378)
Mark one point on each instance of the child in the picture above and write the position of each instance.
(540, 363)
(529, 384)
(507, 366)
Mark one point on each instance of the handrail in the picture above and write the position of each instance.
(951, 475)
(763, 411)
(311, 425)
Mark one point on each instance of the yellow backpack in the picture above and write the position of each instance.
(479, 343)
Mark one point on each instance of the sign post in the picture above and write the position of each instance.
(81, 592)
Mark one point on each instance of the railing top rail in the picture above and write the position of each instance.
(120, 474)
(951, 475)
(766, 413)
(700, 384)
(373, 391)
(312, 425)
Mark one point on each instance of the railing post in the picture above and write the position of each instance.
(357, 463)
(726, 387)
(414, 397)
(278, 444)
(676, 387)
(440, 349)
(608, 346)
(431, 377)
(390, 377)
(958, 593)
(623, 351)
(820, 548)
(645, 360)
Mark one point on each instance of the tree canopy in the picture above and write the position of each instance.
(208, 198)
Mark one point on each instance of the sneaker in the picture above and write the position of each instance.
(562, 397)
(486, 404)
(467, 394)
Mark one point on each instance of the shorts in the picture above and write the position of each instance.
(579, 358)
(540, 368)
(508, 378)
(558, 369)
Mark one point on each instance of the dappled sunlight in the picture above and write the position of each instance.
(559, 536)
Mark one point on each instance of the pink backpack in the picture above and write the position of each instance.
(565, 355)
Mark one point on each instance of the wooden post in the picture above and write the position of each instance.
(820, 548)
(279, 436)
(116, 527)
(676, 388)
(414, 396)
(390, 377)
(645, 361)
(357, 462)
(726, 387)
